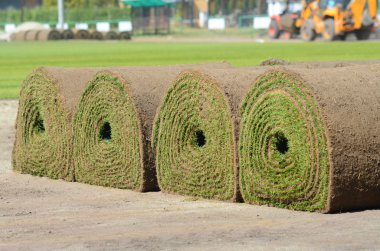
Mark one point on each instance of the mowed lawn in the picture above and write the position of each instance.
(17, 60)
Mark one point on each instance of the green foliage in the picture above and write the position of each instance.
(81, 3)
(104, 13)
(226, 7)
(10, 15)
(49, 14)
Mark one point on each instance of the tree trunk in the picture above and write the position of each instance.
(22, 11)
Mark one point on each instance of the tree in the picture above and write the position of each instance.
(229, 6)
(81, 3)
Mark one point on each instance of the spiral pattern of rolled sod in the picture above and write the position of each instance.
(82, 34)
(283, 146)
(193, 139)
(111, 35)
(96, 35)
(43, 135)
(45, 35)
(67, 34)
(125, 35)
(107, 136)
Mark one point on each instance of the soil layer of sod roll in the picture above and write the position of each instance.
(195, 133)
(113, 126)
(43, 144)
(309, 139)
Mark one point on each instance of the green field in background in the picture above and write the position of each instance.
(17, 60)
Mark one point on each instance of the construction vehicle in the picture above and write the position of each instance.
(283, 15)
(332, 19)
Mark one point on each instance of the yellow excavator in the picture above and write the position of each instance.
(334, 19)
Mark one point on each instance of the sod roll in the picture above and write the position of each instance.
(32, 35)
(81, 34)
(125, 35)
(43, 144)
(309, 139)
(45, 35)
(111, 35)
(179, 141)
(195, 133)
(67, 34)
(107, 136)
(19, 36)
(96, 35)
(113, 124)
(194, 141)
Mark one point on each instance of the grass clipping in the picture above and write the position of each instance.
(193, 139)
(107, 135)
(43, 140)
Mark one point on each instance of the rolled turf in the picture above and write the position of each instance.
(125, 35)
(19, 36)
(196, 130)
(67, 34)
(321, 161)
(194, 139)
(111, 35)
(43, 144)
(32, 35)
(51, 34)
(108, 145)
(309, 139)
(96, 35)
(113, 125)
(82, 34)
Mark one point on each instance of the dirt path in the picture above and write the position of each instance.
(42, 214)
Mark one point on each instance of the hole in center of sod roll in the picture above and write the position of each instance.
(200, 138)
(281, 143)
(39, 126)
(105, 132)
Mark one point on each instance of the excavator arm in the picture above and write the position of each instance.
(372, 8)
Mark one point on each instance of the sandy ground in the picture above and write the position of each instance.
(42, 214)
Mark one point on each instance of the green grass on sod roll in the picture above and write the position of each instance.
(107, 135)
(43, 143)
(193, 139)
(283, 148)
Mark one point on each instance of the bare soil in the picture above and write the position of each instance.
(42, 214)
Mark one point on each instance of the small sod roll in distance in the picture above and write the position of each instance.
(50, 34)
(309, 139)
(82, 34)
